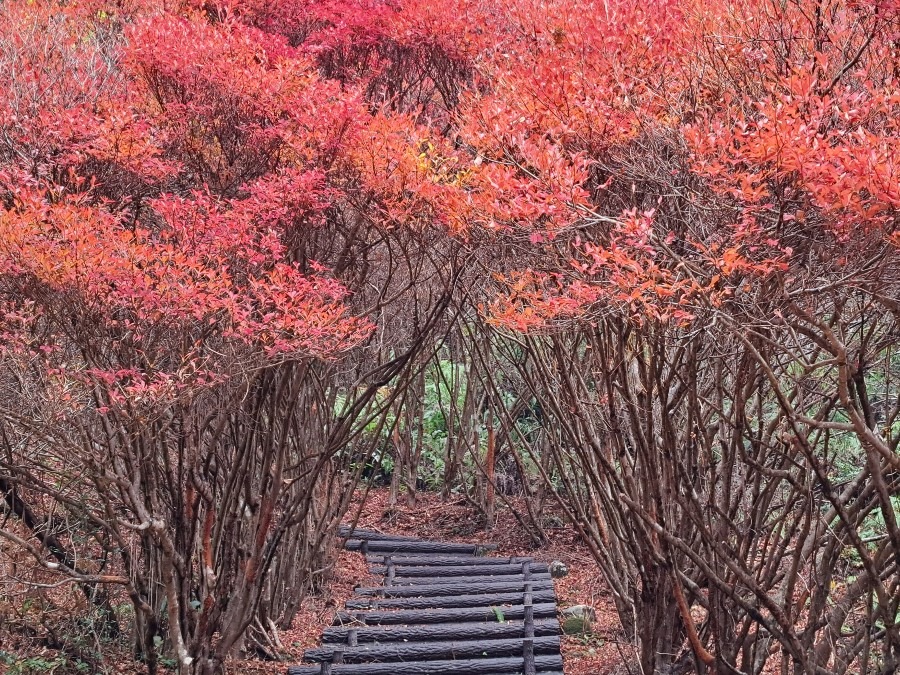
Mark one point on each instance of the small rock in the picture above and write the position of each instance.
(553, 522)
(558, 569)
(580, 610)
(578, 620)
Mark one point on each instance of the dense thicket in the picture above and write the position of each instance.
(640, 259)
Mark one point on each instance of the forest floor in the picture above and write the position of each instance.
(603, 652)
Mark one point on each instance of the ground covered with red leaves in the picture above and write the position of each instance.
(316, 613)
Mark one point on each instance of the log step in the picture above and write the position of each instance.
(347, 532)
(440, 631)
(429, 651)
(394, 546)
(468, 587)
(453, 615)
(437, 581)
(440, 560)
(449, 601)
(496, 666)
(460, 570)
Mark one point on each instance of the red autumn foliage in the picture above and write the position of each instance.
(170, 171)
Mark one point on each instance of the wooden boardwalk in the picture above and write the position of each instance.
(442, 609)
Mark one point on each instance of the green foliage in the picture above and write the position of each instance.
(36, 665)
(435, 429)
(872, 530)
(874, 525)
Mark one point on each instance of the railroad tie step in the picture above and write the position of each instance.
(442, 609)
(513, 665)
(502, 585)
(439, 632)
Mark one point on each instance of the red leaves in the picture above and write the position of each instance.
(222, 143)
(157, 289)
(231, 102)
(797, 136)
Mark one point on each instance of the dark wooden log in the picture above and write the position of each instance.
(454, 615)
(502, 666)
(440, 631)
(412, 547)
(429, 651)
(441, 560)
(347, 532)
(458, 570)
(468, 587)
(530, 650)
(373, 536)
(448, 601)
(437, 581)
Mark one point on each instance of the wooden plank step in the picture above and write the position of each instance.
(450, 601)
(453, 615)
(439, 631)
(468, 587)
(429, 651)
(495, 666)
(459, 570)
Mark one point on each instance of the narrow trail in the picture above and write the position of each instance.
(442, 609)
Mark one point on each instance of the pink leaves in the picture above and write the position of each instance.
(150, 217)
(286, 200)
(289, 314)
(218, 265)
(231, 102)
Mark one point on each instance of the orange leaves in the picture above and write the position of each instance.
(821, 145)
(819, 129)
(534, 301)
(205, 268)
(623, 275)
(633, 157)
(410, 177)
(795, 135)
